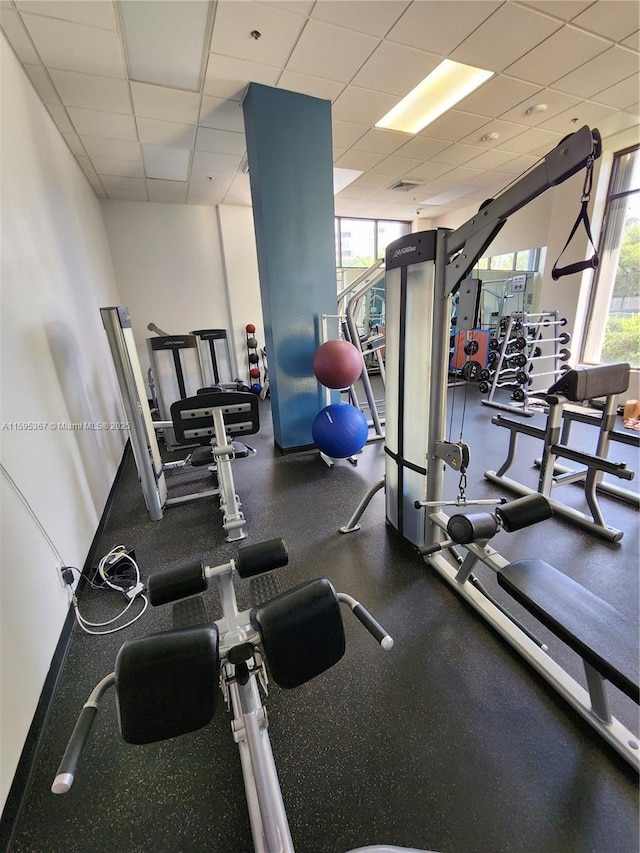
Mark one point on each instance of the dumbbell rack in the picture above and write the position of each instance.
(523, 344)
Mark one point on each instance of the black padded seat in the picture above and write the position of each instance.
(167, 684)
(193, 419)
(595, 630)
(301, 632)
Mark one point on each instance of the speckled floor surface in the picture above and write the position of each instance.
(449, 742)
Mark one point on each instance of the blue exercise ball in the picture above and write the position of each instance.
(340, 430)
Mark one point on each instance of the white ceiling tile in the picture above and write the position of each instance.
(497, 95)
(505, 129)
(345, 133)
(114, 182)
(616, 19)
(360, 160)
(492, 159)
(42, 84)
(370, 181)
(306, 85)
(618, 122)
(560, 54)
(19, 40)
(166, 104)
(87, 166)
(167, 191)
(396, 166)
(454, 125)
(374, 17)
(60, 117)
(300, 7)
(585, 112)
(207, 182)
(215, 162)
(504, 37)
(123, 168)
(235, 21)
(605, 70)
(220, 141)
(221, 114)
(97, 13)
(622, 95)
(635, 109)
(456, 155)
(100, 192)
(362, 106)
(228, 77)
(91, 92)
(556, 102)
(74, 143)
(565, 9)
(422, 148)
(107, 125)
(395, 69)
(378, 141)
(530, 140)
(439, 26)
(633, 41)
(171, 133)
(519, 164)
(176, 52)
(348, 51)
(74, 47)
(338, 152)
(430, 171)
(162, 161)
(354, 192)
(111, 149)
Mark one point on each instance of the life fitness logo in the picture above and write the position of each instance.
(403, 251)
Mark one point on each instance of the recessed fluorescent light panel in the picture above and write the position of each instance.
(447, 84)
(343, 177)
(169, 164)
(165, 41)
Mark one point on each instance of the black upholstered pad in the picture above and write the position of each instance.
(167, 684)
(301, 632)
(594, 629)
(588, 382)
(193, 420)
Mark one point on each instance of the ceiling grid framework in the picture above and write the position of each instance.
(148, 95)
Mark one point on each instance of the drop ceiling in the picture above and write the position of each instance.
(147, 93)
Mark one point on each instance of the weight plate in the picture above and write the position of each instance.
(471, 347)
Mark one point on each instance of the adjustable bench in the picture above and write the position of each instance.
(600, 634)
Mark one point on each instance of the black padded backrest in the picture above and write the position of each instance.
(193, 420)
(167, 684)
(301, 632)
(587, 383)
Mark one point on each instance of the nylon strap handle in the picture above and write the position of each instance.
(583, 216)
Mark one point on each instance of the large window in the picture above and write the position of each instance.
(614, 328)
(360, 242)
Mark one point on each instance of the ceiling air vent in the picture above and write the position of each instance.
(405, 186)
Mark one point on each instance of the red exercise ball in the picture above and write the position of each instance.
(250, 328)
(337, 364)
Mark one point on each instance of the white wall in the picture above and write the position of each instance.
(240, 257)
(168, 265)
(56, 273)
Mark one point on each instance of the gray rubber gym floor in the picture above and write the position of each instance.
(448, 742)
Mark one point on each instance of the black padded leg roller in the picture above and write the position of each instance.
(523, 512)
(177, 583)
(260, 558)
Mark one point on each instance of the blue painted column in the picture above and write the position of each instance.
(290, 157)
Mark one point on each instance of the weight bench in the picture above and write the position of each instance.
(211, 418)
(595, 630)
(575, 386)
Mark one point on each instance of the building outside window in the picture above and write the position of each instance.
(614, 327)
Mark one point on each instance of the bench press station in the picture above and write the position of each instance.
(166, 684)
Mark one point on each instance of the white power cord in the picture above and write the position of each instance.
(131, 589)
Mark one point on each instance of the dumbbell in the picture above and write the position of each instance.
(563, 355)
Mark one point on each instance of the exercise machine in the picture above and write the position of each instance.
(154, 474)
(169, 684)
(423, 272)
(575, 386)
